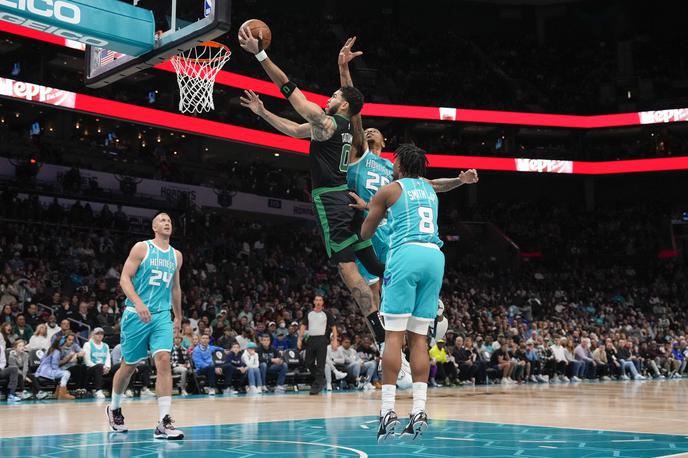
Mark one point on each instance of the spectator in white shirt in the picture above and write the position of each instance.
(583, 354)
(250, 359)
(331, 369)
(246, 312)
(180, 363)
(347, 357)
(39, 340)
(245, 338)
(51, 327)
(561, 363)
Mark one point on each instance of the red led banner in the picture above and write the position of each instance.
(417, 112)
(34, 93)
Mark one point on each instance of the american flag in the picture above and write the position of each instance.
(106, 56)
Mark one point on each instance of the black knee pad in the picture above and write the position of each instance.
(345, 255)
(370, 261)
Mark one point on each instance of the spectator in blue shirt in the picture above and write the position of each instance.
(52, 365)
(234, 358)
(533, 357)
(293, 335)
(271, 362)
(680, 357)
(205, 364)
(281, 343)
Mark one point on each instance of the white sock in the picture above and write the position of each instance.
(389, 393)
(116, 401)
(420, 395)
(164, 404)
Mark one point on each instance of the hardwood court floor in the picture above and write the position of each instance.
(615, 419)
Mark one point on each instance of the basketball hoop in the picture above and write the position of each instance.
(197, 69)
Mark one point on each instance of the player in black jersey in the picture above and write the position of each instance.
(332, 135)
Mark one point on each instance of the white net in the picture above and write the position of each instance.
(197, 69)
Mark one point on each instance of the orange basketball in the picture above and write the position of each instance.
(257, 26)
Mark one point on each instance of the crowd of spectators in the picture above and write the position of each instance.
(84, 150)
(600, 305)
(575, 237)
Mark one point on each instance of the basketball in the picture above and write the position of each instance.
(257, 26)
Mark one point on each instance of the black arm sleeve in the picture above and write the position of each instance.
(330, 321)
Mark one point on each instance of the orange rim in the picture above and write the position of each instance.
(207, 44)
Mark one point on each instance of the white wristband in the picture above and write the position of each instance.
(261, 56)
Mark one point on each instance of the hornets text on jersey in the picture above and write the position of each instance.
(365, 177)
(153, 279)
(368, 174)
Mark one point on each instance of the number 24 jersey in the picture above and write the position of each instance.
(153, 279)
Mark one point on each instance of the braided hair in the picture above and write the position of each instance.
(413, 162)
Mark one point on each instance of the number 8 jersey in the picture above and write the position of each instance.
(153, 279)
(413, 217)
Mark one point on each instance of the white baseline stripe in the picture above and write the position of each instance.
(634, 440)
(544, 442)
(360, 453)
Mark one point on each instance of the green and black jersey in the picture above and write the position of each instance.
(340, 224)
(329, 159)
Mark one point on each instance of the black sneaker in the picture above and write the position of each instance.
(388, 424)
(116, 420)
(416, 427)
(165, 430)
(316, 388)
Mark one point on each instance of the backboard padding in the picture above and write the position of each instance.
(104, 67)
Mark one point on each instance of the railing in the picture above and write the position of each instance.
(71, 320)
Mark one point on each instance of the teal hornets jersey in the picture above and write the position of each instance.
(153, 279)
(99, 356)
(368, 174)
(413, 217)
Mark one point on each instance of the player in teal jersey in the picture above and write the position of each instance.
(412, 282)
(150, 280)
(366, 174)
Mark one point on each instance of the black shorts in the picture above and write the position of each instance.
(340, 224)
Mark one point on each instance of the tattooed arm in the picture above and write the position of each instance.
(322, 126)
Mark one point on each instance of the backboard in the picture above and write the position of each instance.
(180, 25)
